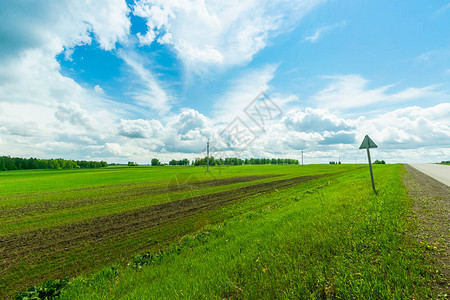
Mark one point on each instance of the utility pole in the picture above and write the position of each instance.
(302, 157)
(207, 156)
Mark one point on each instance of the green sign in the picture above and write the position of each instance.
(368, 143)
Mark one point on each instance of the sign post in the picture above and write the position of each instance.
(367, 144)
(207, 156)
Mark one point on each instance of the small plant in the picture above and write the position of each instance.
(48, 290)
(152, 241)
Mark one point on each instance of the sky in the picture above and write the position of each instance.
(122, 81)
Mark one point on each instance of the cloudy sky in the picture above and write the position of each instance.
(131, 80)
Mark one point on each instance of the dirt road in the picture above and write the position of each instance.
(439, 172)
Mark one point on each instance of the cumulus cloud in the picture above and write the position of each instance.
(411, 127)
(47, 114)
(315, 120)
(187, 132)
(59, 25)
(73, 114)
(34, 96)
(190, 120)
(205, 33)
(139, 128)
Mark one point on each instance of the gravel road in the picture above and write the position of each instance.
(439, 172)
(431, 206)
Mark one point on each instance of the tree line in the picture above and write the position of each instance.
(181, 162)
(8, 163)
(234, 161)
(379, 162)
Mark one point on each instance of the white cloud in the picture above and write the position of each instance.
(213, 32)
(139, 128)
(53, 26)
(189, 120)
(73, 114)
(319, 32)
(242, 92)
(411, 127)
(98, 89)
(315, 120)
(351, 91)
(150, 93)
(44, 113)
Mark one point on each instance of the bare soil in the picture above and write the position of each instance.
(37, 248)
(70, 199)
(431, 207)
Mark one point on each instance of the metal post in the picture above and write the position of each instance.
(370, 167)
(207, 156)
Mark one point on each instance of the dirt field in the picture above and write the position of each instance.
(69, 250)
(432, 207)
(129, 190)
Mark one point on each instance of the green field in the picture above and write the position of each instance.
(252, 231)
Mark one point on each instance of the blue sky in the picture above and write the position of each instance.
(134, 80)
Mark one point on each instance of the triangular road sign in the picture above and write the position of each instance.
(368, 143)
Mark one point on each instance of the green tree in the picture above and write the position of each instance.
(2, 165)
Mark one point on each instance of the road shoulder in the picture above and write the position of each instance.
(431, 207)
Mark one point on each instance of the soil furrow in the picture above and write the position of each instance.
(65, 243)
(109, 194)
(66, 237)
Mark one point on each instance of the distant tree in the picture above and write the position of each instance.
(379, 162)
(156, 162)
(18, 163)
(2, 165)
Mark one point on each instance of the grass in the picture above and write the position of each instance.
(330, 237)
(336, 240)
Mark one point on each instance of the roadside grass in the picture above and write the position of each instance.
(335, 239)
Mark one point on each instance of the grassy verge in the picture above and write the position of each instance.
(334, 240)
